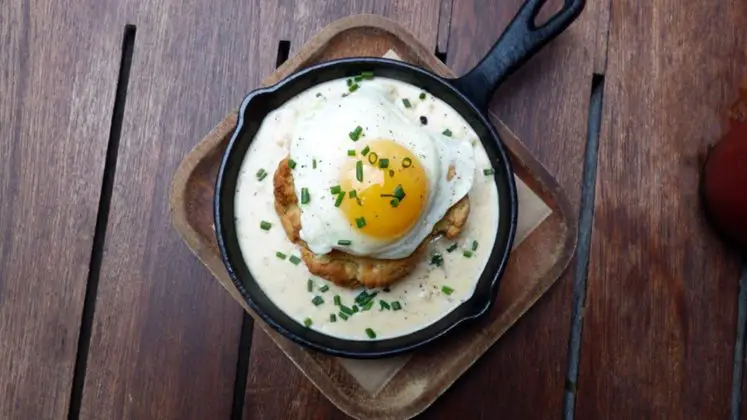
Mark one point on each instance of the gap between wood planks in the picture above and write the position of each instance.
(738, 370)
(586, 218)
(102, 216)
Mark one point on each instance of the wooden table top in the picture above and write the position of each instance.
(104, 313)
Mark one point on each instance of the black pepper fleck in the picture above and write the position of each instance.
(423, 120)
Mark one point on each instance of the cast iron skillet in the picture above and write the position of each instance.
(468, 95)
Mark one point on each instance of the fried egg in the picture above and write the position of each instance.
(371, 179)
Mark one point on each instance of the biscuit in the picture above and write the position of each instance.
(349, 270)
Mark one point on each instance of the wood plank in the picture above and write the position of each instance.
(57, 85)
(546, 104)
(660, 317)
(165, 335)
(275, 387)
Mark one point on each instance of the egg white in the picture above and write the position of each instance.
(321, 133)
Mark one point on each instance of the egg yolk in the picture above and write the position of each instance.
(390, 189)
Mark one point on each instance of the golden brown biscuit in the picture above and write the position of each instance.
(349, 270)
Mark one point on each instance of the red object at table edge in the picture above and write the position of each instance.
(725, 178)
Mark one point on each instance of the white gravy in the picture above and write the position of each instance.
(420, 294)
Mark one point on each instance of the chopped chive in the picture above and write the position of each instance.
(383, 305)
(264, 175)
(367, 306)
(488, 172)
(339, 199)
(352, 194)
(383, 163)
(261, 174)
(305, 195)
(365, 150)
(467, 253)
(344, 242)
(367, 75)
(363, 298)
(318, 300)
(406, 162)
(422, 96)
(451, 248)
(356, 134)
(355, 309)
(447, 290)
(313, 164)
(291, 163)
(332, 318)
(359, 171)
(370, 300)
(372, 158)
(358, 78)
(406, 103)
(309, 285)
(349, 82)
(307, 322)
(475, 245)
(265, 225)
(360, 222)
(343, 316)
(353, 87)
(318, 94)
(351, 152)
(394, 202)
(294, 260)
(280, 255)
(346, 310)
(437, 260)
(370, 333)
(399, 192)
(396, 306)
(324, 288)
(336, 189)
(337, 300)
(447, 133)
(363, 295)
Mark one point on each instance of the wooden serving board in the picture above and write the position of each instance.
(419, 378)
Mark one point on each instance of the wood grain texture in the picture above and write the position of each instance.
(546, 104)
(419, 16)
(165, 335)
(285, 392)
(659, 328)
(56, 99)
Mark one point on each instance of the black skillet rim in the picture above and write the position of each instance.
(471, 309)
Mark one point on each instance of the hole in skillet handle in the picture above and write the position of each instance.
(519, 42)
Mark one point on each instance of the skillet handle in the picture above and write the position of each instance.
(520, 41)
